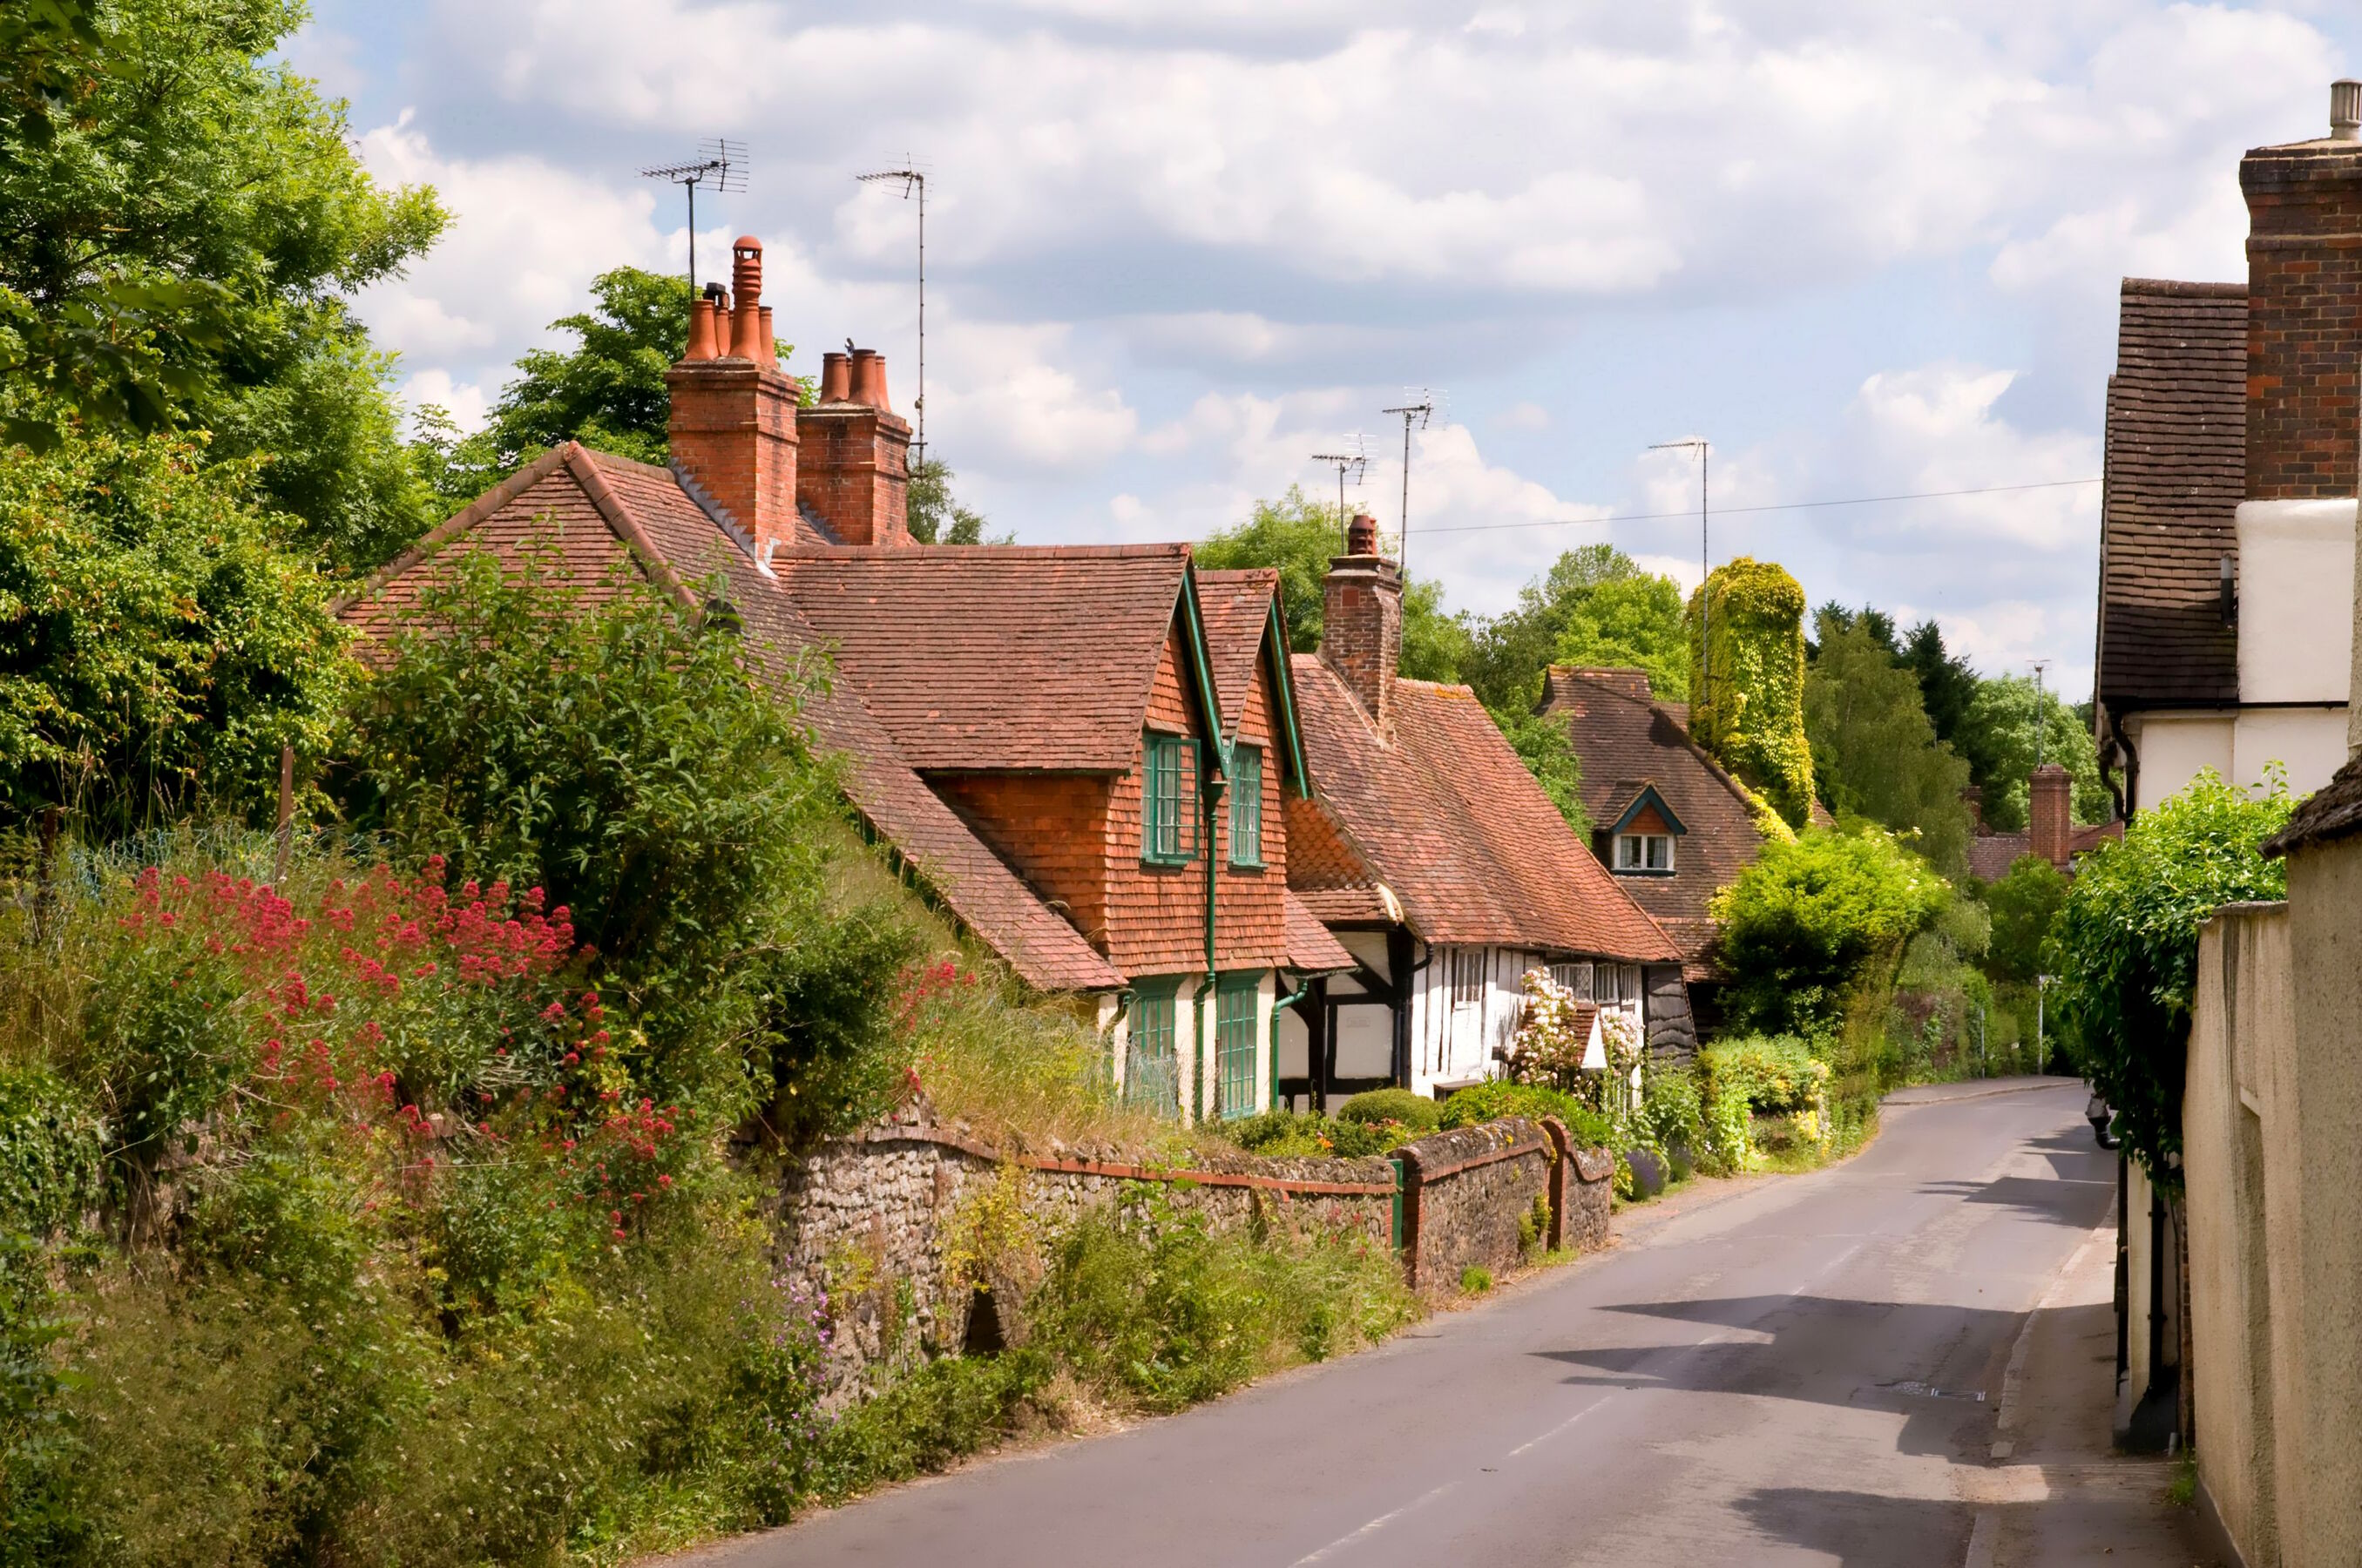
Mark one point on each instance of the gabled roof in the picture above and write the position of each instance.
(1623, 737)
(1244, 632)
(1628, 799)
(1449, 820)
(987, 656)
(2176, 472)
(597, 510)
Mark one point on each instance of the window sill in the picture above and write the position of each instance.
(1637, 871)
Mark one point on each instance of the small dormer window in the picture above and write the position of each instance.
(1644, 854)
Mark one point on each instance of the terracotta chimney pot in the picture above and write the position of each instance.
(770, 345)
(868, 369)
(1361, 536)
(732, 423)
(835, 385)
(700, 331)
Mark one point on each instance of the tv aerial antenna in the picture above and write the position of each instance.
(720, 165)
(1354, 457)
(1705, 555)
(1417, 408)
(914, 184)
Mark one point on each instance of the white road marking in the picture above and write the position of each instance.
(1371, 1529)
(1537, 1442)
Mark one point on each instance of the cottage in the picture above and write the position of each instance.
(1088, 772)
(1431, 855)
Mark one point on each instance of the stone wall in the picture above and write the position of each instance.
(866, 1223)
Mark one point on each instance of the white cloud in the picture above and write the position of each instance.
(1525, 416)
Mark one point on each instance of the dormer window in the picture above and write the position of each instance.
(1168, 799)
(1642, 854)
(1636, 838)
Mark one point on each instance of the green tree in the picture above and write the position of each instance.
(1299, 537)
(1507, 653)
(1997, 738)
(1947, 684)
(2124, 949)
(158, 646)
(1872, 623)
(1543, 744)
(2023, 903)
(187, 223)
(936, 517)
(1631, 621)
(1746, 692)
(1874, 754)
(1801, 926)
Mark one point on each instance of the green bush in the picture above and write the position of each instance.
(1497, 1097)
(1804, 924)
(53, 1154)
(1475, 1280)
(1672, 1118)
(1401, 1104)
(1774, 1073)
(1281, 1134)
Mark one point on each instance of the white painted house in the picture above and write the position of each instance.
(1428, 851)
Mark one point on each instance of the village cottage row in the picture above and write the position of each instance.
(1277, 877)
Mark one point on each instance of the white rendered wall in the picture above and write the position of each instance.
(2309, 743)
(2296, 601)
(2174, 747)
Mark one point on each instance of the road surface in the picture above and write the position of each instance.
(1789, 1375)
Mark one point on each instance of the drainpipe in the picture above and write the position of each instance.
(1303, 989)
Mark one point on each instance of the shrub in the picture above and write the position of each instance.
(1475, 1280)
(1497, 1097)
(2124, 946)
(1280, 1134)
(1802, 925)
(1398, 1105)
(2023, 904)
(1775, 1074)
(1671, 1118)
(1534, 1225)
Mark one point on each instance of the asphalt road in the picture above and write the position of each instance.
(1788, 1375)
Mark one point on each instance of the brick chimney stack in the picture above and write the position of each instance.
(733, 410)
(1361, 622)
(2050, 824)
(2296, 526)
(856, 473)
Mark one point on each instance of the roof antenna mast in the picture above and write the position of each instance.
(914, 184)
(719, 163)
(1705, 559)
(1417, 406)
(1353, 458)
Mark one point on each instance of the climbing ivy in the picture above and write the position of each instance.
(1746, 690)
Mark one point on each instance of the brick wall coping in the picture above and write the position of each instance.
(1534, 1144)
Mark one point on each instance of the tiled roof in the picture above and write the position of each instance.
(1310, 949)
(2332, 811)
(1991, 854)
(998, 656)
(601, 509)
(1623, 738)
(1237, 610)
(1449, 820)
(2176, 472)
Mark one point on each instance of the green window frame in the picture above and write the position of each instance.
(1235, 998)
(1246, 805)
(1152, 1074)
(1168, 799)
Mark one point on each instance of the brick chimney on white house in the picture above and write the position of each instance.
(1361, 623)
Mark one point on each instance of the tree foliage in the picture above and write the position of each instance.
(1800, 926)
(1747, 691)
(157, 646)
(2025, 903)
(1947, 684)
(1299, 537)
(188, 221)
(1543, 744)
(2124, 948)
(936, 517)
(1595, 605)
(1997, 738)
(1874, 753)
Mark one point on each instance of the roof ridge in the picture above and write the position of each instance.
(995, 552)
(459, 522)
(2178, 288)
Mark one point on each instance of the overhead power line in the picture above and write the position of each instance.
(1772, 506)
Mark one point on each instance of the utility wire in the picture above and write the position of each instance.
(1776, 506)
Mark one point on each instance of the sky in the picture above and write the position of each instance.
(1175, 248)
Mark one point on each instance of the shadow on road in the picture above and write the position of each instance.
(1927, 1363)
(1861, 1530)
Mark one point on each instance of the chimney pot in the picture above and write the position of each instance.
(1361, 536)
(770, 345)
(868, 376)
(746, 270)
(700, 331)
(835, 384)
(2346, 110)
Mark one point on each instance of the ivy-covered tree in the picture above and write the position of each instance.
(159, 643)
(1299, 537)
(2124, 948)
(188, 222)
(1874, 754)
(1746, 690)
